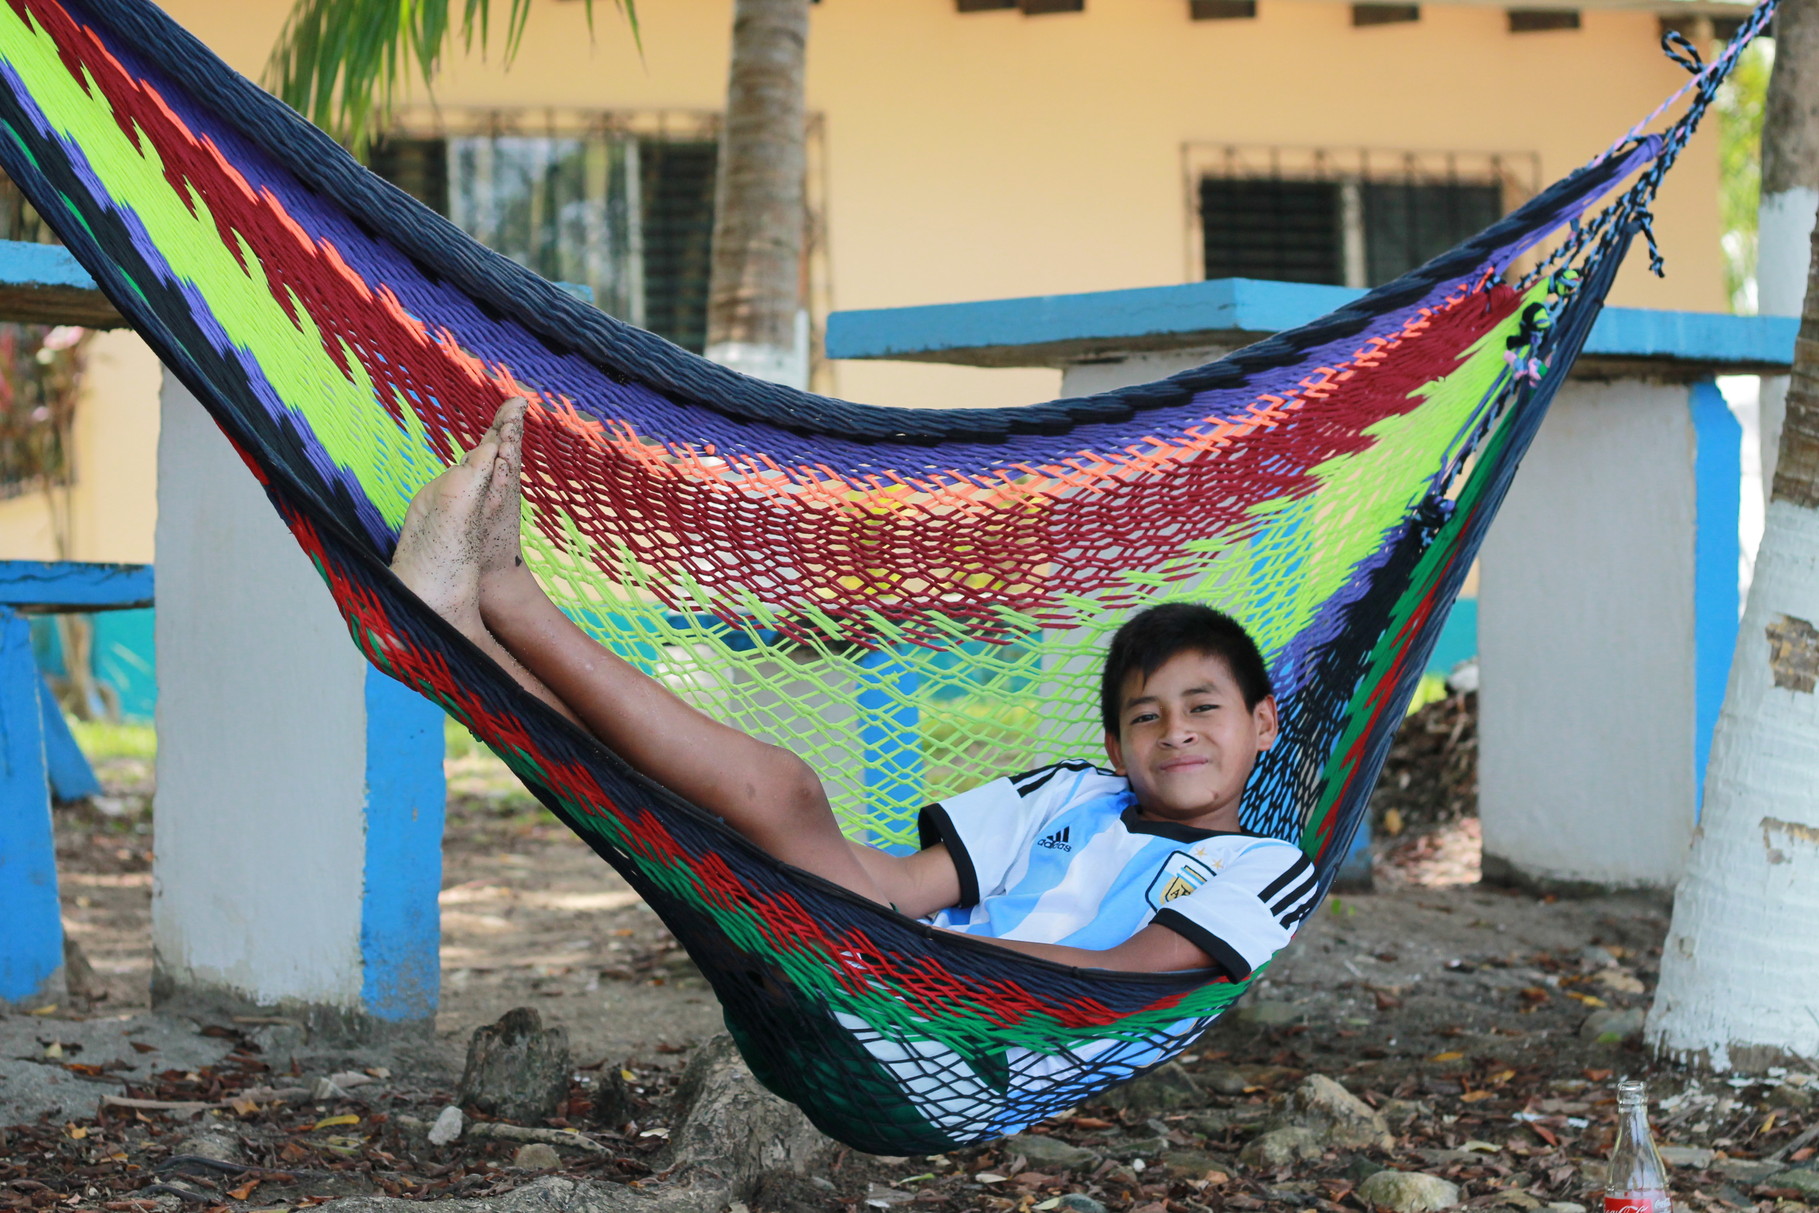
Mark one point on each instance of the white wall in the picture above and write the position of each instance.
(259, 814)
(1586, 645)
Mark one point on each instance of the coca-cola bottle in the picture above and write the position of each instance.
(1638, 1181)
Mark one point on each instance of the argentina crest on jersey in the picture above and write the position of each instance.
(1181, 874)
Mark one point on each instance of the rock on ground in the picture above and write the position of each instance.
(1800, 1179)
(1746, 1170)
(1280, 1147)
(1267, 1013)
(1696, 1157)
(535, 1156)
(1044, 1152)
(211, 1143)
(516, 1068)
(1224, 1080)
(1163, 1089)
(1336, 1115)
(448, 1126)
(1612, 1026)
(730, 1126)
(1408, 1192)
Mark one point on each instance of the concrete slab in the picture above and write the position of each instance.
(32, 1084)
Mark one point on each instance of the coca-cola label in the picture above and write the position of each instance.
(1635, 1204)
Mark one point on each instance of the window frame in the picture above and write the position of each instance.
(675, 125)
(1516, 174)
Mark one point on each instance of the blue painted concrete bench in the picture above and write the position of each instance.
(40, 757)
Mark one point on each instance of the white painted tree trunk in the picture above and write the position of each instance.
(1740, 973)
(1790, 193)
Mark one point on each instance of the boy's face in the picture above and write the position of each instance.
(1186, 741)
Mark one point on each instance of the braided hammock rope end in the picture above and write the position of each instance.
(914, 600)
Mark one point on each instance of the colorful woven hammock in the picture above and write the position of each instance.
(914, 600)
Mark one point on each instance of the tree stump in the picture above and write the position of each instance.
(733, 1128)
(516, 1068)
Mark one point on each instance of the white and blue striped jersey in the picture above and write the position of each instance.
(1061, 855)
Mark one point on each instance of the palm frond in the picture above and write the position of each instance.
(342, 63)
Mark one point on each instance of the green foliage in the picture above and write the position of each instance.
(340, 63)
(459, 744)
(1431, 689)
(1739, 109)
(104, 741)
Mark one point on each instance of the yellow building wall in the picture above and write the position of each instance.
(983, 155)
(113, 502)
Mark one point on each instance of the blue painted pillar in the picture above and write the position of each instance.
(1718, 489)
(400, 921)
(31, 922)
(890, 735)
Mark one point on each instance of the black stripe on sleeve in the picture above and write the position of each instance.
(1281, 882)
(936, 826)
(1293, 918)
(1225, 956)
(1301, 891)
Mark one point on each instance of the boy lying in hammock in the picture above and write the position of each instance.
(1144, 868)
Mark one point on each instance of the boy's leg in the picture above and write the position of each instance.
(466, 562)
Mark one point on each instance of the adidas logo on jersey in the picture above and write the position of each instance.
(1056, 841)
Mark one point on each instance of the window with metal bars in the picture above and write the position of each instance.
(1289, 231)
(629, 215)
(1341, 217)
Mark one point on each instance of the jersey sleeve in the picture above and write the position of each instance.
(989, 828)
(1250, 909)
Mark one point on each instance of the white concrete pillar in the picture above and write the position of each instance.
(1608, 574)
(299, 808)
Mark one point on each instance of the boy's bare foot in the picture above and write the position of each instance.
(502, 508)
(439, 546)
(505, 580)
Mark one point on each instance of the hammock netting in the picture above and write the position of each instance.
(913, 600)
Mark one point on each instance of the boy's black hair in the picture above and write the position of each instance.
(1149, 638)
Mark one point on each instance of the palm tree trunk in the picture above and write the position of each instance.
(1740, 972)
(755, 318)
(1790, 191)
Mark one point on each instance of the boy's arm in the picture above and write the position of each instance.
(916, 885)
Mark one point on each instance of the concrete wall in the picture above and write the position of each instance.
(299, 803)
(1588, 644)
